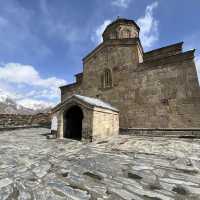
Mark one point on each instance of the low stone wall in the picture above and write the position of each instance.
(14, 120)
(159, 132)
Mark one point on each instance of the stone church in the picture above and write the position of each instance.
(122, 86)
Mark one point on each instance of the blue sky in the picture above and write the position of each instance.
(42, 42)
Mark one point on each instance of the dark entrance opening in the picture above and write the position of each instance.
(73, 123)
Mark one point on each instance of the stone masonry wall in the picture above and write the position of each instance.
(160, 92)
(86, 124)
(11, 120)
(97, 122)
(68, 91)
(105, 123)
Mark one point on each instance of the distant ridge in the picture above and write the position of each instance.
(10, 106)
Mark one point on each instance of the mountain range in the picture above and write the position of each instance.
(10, 106)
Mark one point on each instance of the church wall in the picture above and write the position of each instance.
(68, 91)
(157, 89)
(117, 58)
(164, 95)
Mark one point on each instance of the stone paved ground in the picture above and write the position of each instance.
(126, 167)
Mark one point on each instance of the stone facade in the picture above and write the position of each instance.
(16, 120)
(156, 89)
(97, 121)
(105, 123)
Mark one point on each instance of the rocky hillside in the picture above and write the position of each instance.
(10, 106)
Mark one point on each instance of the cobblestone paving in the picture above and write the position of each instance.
(126, 167)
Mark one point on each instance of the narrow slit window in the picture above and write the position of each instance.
(107, 80)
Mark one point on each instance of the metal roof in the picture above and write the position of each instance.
(95, 102)
(88, 100)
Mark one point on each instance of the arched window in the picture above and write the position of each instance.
(107, 79)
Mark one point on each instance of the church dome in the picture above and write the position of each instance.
(120, 29)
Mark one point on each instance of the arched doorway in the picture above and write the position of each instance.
(73, 123)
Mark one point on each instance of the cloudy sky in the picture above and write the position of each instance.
(42, 42)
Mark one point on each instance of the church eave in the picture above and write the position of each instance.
(113, 42)
(78, 99)
(162, 62)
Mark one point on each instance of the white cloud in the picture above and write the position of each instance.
(97, 37)
(197, 60)
(192, 41)
(121, 3)
(149, 33)
(149, 27)
(27, 74)
(35, 104)
(24, 84)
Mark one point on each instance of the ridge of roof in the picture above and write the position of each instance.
(178, 45)
(95, 102)
(89, 100)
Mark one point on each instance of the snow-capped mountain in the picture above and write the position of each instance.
(9, 106)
